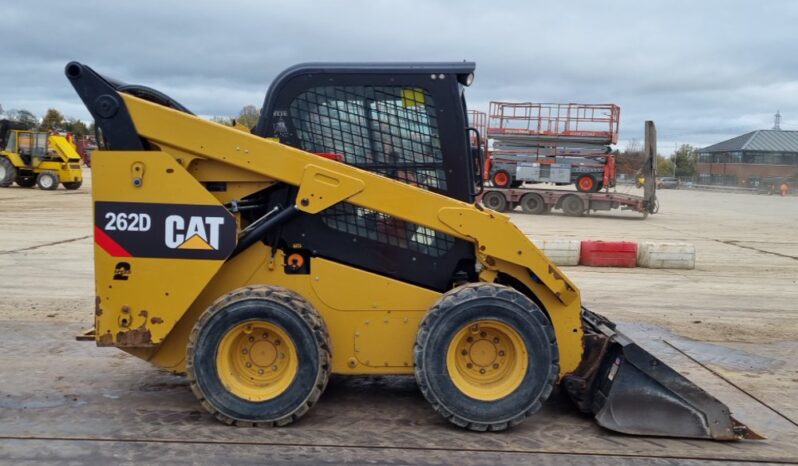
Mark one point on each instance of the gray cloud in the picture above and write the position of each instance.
(703, 71)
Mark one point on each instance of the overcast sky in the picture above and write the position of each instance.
(702, 70)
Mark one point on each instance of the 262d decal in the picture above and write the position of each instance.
(138, 229)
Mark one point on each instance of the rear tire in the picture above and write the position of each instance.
(533, 203)
(8, 172)
(260, 355)
(47, 180)
(573, 205)
(501, 179)
(73, 185)
(495, 200)
(486, 357)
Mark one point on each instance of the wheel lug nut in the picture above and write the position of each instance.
(501, 353)
(495, 339)
(282, 355)
(464, 352)
(265, 335)
(249, 364)
(260, 371)
(244, 351)
(277, 342)
(469, 365)
(475, 328)
(251, 339)
(495, 366)
(482, 334)
(469, 339)
(274, 368)
(482, 371)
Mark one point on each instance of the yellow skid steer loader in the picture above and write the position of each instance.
(340, 236)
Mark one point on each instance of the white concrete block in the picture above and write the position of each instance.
(656, 255)
(560, 251)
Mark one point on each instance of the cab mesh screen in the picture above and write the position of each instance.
(392, 131)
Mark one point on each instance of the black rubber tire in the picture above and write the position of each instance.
(297, 317)
(454, 310)
(26, 181)
(594, 187)
(533, 203)
(572, 205)
(48, 180)
(73, 185)
(508, 177)
(495, 200)
(8, 172)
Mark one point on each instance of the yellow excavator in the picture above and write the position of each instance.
(340, 236)
(36, 158)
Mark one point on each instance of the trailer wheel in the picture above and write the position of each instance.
(502, 179)
(47, 180)
(486, 357)
(8, 172)
(573, 205)
(495, 200)
(260, 355)
(587, 184)
(73, 185)
(533, 203)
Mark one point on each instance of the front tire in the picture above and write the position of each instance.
(47, 180)
(260, 355)
(587, 184)
(486, 357)
(502, 179)
(73, 185)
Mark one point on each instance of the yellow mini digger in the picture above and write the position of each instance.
(340, 236)
(36, 158)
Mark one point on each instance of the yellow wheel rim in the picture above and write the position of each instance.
(487, 360)
(256, 360)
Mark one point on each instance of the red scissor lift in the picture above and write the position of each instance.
(522, 142)
(564, 143)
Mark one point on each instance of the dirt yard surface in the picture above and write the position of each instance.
(731, 325)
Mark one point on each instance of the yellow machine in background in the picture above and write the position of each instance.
(31, 158)
(342, 236)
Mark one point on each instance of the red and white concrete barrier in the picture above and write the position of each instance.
(648, 254)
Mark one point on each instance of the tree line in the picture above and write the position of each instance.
(683, 162)
(53, 120)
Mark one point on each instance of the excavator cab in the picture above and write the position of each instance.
(341, 236)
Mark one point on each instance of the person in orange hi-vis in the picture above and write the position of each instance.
(784, 188)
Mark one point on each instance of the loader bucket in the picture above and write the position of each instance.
(631, 391)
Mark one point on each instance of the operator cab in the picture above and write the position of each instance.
(406, 121)
(30, 145)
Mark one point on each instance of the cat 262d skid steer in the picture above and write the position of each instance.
(340, 236)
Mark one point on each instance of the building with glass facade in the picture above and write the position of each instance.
(763, 156)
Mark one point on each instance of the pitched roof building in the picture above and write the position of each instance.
(766, 155)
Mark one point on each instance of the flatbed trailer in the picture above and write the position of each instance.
(575, 203)
(542, 201)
